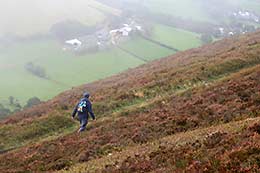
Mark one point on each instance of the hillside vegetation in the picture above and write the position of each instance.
(196, 111)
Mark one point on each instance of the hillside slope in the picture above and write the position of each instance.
(196, 111)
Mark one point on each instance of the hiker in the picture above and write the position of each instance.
(83, 108)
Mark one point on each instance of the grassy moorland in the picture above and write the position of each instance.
(42, 128)
(175, 152)
(197, 110)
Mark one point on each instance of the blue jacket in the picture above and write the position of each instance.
(83, 108)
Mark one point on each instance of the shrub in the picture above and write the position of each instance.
(11, 100)
(4, 111)
(206, 38)
(32, 101)
(36, 70)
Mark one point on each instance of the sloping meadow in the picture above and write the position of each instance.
(199, 88)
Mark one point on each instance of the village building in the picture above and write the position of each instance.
(221, 30)
(124, 32)
(139, 28)
(246, 15)
(74, 42)
(231, 33)
(102, 39)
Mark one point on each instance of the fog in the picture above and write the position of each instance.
(30, 17)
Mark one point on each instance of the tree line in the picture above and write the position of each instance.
(15, 106)
(36, 70)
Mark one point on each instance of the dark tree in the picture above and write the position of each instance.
(32, 101)
(36, 70)
(4, 111)
(249, 28)
(11, 100)
(17, 106)
(206, 38)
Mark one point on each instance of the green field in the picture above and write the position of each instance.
(65, 69)
(177, 38)
(146, 49)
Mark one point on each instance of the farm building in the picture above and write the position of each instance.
(101, 39)
(74, 42)
(246, 15)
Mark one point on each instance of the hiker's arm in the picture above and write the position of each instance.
(89, 106)
(74, 111)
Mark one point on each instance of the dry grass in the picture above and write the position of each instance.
(176, 141)
(145, 112)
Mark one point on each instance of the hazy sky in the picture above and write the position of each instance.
(36, 16)
(29, 17)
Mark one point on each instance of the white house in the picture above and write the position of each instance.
(74, 42)
(114, 31)
(123, 31)
(139, 28)
(244, 14)
(231, 33)
(221, 30)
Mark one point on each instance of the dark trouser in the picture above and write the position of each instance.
(83, 122)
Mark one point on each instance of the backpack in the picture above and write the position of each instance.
(82, 106)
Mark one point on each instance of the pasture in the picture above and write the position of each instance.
(177, 38)
(63, 68)
(146, 49)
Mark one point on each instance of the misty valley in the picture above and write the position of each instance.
(50, 49)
